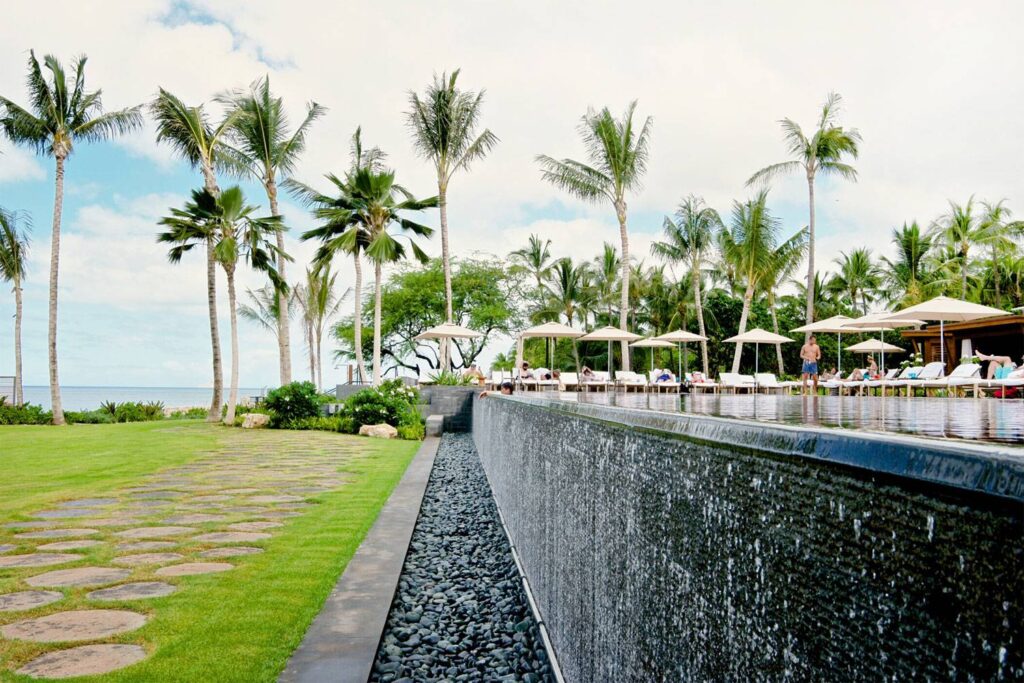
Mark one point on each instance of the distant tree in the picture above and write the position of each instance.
(58, 117)
(858, 277)
(904, 275)
(320, 303)
(14, 244)
(997, 233)
(534, 259)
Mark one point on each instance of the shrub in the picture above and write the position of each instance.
(452, 379)
(190, 414)
(88, 417)
(25, 414)
(412, 432)
(292, 402)
(154, 410)
(347, 424)
(129, 412)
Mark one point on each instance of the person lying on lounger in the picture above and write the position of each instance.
(996, 365)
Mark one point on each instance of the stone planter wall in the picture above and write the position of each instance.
(454, 403)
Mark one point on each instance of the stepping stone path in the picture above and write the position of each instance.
(69, 545)
(238, 494)
(65, 627)
(194, 568)
(23, 600)
(87, 660)
(146, 558)
(134, 591)
(81, 576)
(232, 551)
(37, 560)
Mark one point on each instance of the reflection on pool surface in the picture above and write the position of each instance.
(985, 419)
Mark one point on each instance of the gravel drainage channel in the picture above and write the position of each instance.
(460, 612)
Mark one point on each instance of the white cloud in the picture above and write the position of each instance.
(18, 164)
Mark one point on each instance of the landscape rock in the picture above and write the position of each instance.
(255, 421)
(381, 431)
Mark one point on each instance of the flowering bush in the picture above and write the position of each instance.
(292, 403)
(392, 403)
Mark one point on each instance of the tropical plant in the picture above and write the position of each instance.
(319, 304)
(996, 234)
(568, 290)
(688, 239)
(192, 137)
(444, 129)
(533, 260)
(238, 235)
(823, 153)
(957, 231)
(904, 275)
(617, 154)
(858, 277)
(268, 151)
(292, 402)
(60, 115)
(607, 267)
(14, 244)
(261, 308)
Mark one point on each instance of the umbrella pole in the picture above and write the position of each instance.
(942, 346)
(610, 360)
(883, 352)
(839, 353)
(686, 361)
(757, 348)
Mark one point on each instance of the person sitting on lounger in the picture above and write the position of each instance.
(996, 365)
(665, 376)
(526, 372)
(586, 374)
(473, 373)
(858, 375)
(829, 375)
(872, 371)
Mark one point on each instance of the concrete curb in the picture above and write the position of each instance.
(341, 643)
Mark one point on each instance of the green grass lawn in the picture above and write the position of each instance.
(240, 625)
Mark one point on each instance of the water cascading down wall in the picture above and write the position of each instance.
(671, 547)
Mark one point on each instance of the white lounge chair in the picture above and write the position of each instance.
(599, 382)
(571, 381)
(768, 383)
(965, 371)
(630, 380)
(735, 382)
(978, 386)
(930, 372)
(665, 386)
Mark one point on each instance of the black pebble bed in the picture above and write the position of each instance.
(460, 612)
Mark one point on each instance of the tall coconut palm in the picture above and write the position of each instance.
(858, 276)
(320, 304)
(368, 204)
(904, 274)
(751, 244)
(534, 260)
(783, 262)
(262, 308)
(607, 272)
(192, 137)
(239, 237)
(821, 154)
(444, 130)
(269, 152)
(688, 239)
(958, 230)
(567, 291)
(14, 244)
(60, 115)
(617, 154)
(996, 234)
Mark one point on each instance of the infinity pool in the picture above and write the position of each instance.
(986, 419)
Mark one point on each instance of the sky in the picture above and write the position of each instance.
(933, 87)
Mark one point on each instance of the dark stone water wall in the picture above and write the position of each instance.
(659, 556)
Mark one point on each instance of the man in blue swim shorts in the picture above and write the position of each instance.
(811, 354)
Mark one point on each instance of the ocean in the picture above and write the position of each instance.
(90, 398)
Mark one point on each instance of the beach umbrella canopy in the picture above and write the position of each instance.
(653, 344)
(610, 334)
(448, 331)
(878, 322)
(834, 325)
(943, 308)
(757, 336)
(551, 331)
(681, 337)
(875, 346)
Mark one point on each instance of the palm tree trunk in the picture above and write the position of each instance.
(995, 276)
(748, 297)
(19, 384)
(58, 207)
(213, 415)
(775, 329)
(318, 335)
(229, 417)
(699, 305)
(284, 343)
(809, 315)
(442, 200)
(357, 327)
(620, 211)
(312, 352)
(963, 275)
(376, 322)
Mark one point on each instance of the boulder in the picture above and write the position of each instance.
(381, 431)
(255, 421)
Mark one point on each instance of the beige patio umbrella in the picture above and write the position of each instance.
(653, 344)
(553, 330)
(876, 346)
(757, 336)
(448, 331)
(610, 334)
(681, 337)
(877, 322)
(943, 308)
(834, 325)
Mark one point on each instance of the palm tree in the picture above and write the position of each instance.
(822, 153)
(858, 276)
(59, 117)
(533, 260)
(688, 239)
(567, 290)
(996, 234)
(268, 151)
(193, 138)
(904, 275)
(262, 308)
(958, 230)
(369, 203)
(617, 155)
(14, 243)
(607, 269)
(443, 124)
(238, 236)
(319, 305)
(782, 264)
(751, 245)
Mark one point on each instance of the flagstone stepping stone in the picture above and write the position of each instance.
(195, 518)
(37, 560)
(232, 537)
(140, 590)
(244, 510)
(69, 545)
(66, 514)
(239, 492)
(23, 600)
(145, 545)
(88, 502)
(211, 499)
(194, 568)
(85, 660)
(80, 576)
(254, 526)
(233, 551)
(112, 521)
(82, 624)
(160, 495)
(275, 499)
(146, 558)
(6, 547)
(57, 533)
(28, 525)
(155, 531)
(281, 514)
